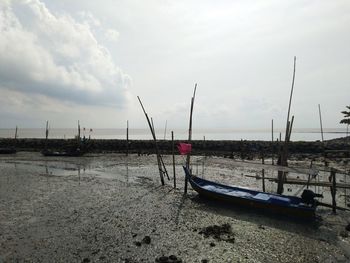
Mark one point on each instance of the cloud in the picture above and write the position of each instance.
(112, 35)
(56, 56)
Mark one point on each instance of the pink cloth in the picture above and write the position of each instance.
(184, 148)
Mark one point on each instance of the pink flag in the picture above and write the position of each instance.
(184, 148)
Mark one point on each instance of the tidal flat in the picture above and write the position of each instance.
(113, 208)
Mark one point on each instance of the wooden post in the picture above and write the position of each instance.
(46, 134)
(190, 136)
(166, 124)
(16, 135)
(272, 151)
(155, 142)
(263, 174)
(16, 132)
(127, 138)
(333, 191)
(283, 157)
(173, 152)
(319, 113)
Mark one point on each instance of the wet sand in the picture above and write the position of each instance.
(112, 208)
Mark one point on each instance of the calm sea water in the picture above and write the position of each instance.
(179, 134)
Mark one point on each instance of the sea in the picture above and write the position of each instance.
(305, 134)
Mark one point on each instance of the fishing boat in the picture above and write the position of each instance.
(293, 206)
(74, 153)
(10, 150)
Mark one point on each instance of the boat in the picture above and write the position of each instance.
(297, 207)
(79, 147)
(74, 153)
(10, 150)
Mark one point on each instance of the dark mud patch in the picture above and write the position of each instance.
(170, 259)
(220, 233)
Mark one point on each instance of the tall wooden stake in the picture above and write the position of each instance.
(166, 124)
(284, 153)
(155, 142)
(190, 135)
(127, 138)
(46, 134)
(263, 174)
(333, 191)
(173, 152)
(16, 135)
(272, 152)
(159, 156)
(319, 113)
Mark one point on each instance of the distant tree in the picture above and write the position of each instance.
(346, 119)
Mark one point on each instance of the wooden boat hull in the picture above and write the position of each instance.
(278, 204)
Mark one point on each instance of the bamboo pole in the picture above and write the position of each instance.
(166, 125)
(190, 136)
(319, 113)
(272, 151)
(127, 137)
(155, 141)
(173, 152)
(263, 174)
(333, 191)
(159, 155)
(284, 156)
(46, 134)
(16, 133)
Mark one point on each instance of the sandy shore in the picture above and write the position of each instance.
(111, 208)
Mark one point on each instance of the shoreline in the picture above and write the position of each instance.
(229, 148)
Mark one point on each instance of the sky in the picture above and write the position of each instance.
(87, 60)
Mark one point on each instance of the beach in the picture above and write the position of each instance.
(113, 208)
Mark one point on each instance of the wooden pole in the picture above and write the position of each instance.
(155, 141)
(127, 137)
(190, 136)
(159, 156)
(263, 174)
(46, 134)
(291, 92)
(173, 152)
(166, 124)
(272, 151)
(333, 191)
(283, 156)
(16, 133)
(319, 113)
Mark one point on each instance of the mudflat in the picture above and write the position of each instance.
(112, 208)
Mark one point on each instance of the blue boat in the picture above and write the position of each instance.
(303, 208)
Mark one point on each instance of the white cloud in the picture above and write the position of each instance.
(112, 35)
(55, 56)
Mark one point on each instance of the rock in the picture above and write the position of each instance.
(162, 259)
(146, 240)
(205, 261)
(344, 233)
(348, 227)
(212, 244)
(172, 257)
(137, 243)
(85, 260)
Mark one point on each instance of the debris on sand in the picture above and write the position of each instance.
(170, 259)
(220, 233)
